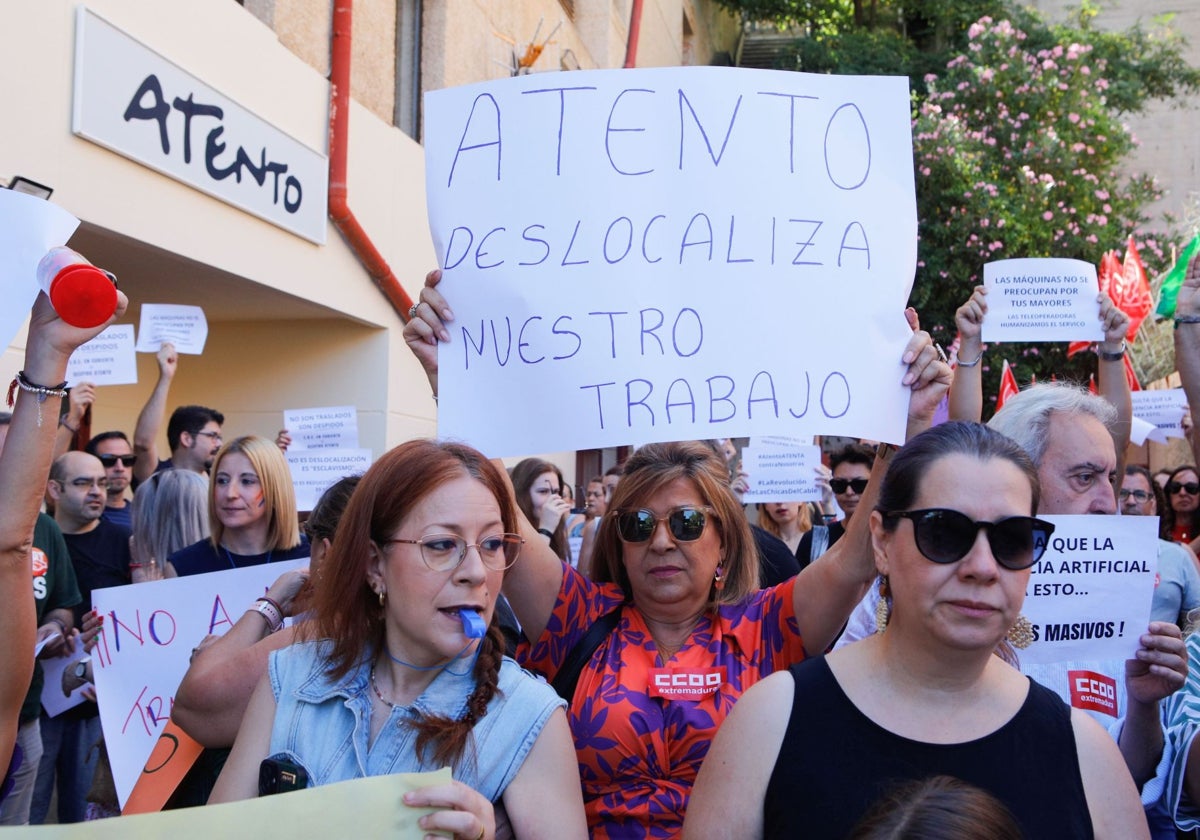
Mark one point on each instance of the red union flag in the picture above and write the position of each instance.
(1077, 347)
(1008, 386)
(1130, 290)
(1110, 268)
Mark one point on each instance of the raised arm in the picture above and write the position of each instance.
(532, 584)
(1112, 384)
(966, 394)
(827, 591)
(24, 467)
(149, 422)
(1187, 341)
(78, 402)
(212, 699)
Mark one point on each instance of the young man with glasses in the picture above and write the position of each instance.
(116, 456)
(193, 432)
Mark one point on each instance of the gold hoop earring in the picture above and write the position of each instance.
(1020, 635)
(382, 597)
(882, 608)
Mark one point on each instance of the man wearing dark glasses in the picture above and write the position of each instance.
(116, 455)
(851, 468)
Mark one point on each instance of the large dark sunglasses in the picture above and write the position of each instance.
(686, 523)
(946, 536)
(111, 460)
(839, 485)
(1190, 487)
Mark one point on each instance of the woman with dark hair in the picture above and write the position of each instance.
(955, 540)
(404, 670)
(1181, 515)
(539, 485)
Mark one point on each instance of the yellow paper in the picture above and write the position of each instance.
(370, 807)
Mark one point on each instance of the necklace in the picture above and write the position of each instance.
(378, 693)
(233, 565)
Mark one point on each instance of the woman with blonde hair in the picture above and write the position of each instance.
(251, 511)
(789, 521)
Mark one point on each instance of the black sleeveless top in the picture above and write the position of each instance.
(835, 763)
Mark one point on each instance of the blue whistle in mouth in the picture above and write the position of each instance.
(473, 625)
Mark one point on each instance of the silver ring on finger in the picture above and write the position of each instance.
(941, 353)
(412, 311)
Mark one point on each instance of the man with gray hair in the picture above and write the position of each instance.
(1067, 433)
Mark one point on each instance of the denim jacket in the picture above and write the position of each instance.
(323, 725)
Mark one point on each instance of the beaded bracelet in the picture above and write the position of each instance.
(41, 391)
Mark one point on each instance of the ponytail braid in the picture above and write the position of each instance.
(448, 738)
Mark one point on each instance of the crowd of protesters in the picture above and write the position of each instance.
(651, 662)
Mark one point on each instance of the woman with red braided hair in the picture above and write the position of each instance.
(404, 668)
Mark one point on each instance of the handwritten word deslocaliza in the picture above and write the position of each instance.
(671, 253)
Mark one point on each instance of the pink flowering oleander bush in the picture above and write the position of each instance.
(1020, 152)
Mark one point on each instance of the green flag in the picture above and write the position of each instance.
(1174, 279)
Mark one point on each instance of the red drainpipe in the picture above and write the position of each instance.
(339, 142)
(635, 28)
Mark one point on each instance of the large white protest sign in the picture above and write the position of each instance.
(671, 253)
(1042, 300)
(1089, 596)
(314, 470)
(29, 227)
(1163, 408)
(184, 326)
(322, 428)
(108, 359)
(149, 632)
(781, 473)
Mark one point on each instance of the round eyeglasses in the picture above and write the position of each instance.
(445, 552)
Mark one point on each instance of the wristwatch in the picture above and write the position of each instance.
(81, 668)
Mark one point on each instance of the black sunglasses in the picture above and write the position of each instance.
(946, 536)
(839, 485)
(111, 460)
(1190, 487)
(686, 523)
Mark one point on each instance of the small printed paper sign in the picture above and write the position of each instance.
(1089, 596)
(322, 428)
(183, 326)
(1041, 300)
(1163, 409)
(29, 227)
(55, 700)
(781, 473)
(108, 359)
(314, 471)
